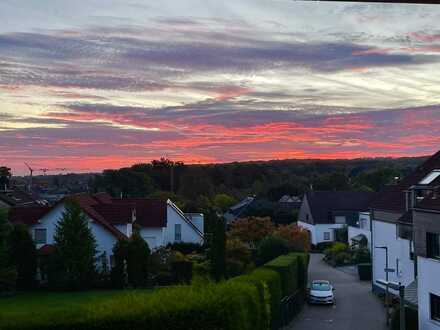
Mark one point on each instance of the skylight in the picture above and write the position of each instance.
(430, 177)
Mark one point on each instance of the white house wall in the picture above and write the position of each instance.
(48, 222)
(104, 239)
(428, 282)
(385, 234)
(188, 232)
(317, 231)
(153, 236)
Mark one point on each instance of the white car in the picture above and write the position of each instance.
(321, 292)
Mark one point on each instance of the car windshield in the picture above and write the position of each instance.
(321, 286)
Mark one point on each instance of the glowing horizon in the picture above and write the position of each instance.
(91, 86)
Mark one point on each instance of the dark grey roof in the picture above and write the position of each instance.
(16, 197)
(323, 203)
(392, 198)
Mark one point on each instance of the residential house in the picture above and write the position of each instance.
(11, 197)
(359, 232)
(392, 225)
(426, 226)
(235, 211)
(159, 222)
(323, 212)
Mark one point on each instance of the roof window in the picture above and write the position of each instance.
(430, 177)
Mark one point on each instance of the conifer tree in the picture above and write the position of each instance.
(75, 248)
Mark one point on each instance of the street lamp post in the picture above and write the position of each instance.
(386, 287)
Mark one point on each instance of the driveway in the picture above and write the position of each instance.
(356, 307)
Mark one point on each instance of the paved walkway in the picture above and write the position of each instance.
(356, 307)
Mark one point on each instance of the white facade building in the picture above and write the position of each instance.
(361, 228)
(323, 212)
(159, 222)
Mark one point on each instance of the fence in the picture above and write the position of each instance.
(291, 306)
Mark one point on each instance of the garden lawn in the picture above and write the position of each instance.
(26, 305)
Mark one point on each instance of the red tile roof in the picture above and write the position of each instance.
(149, 212)
(27, 215)
(107, 211)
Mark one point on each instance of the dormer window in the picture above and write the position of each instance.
(430, 177)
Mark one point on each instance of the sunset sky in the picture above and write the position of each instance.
(97, 84)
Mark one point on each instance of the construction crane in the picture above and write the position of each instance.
(31, 171)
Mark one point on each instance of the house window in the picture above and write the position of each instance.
(435, 306)
(432, 245)
(340, 219)
(40, 236)
(307, 217)
(177, 232)
(326, 236)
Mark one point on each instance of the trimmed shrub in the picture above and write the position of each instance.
(364, 271)
(271, 247)
(232, 305)
(273, 281)
(287, 267)
(303, 266)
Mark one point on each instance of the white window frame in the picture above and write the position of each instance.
(326, 236)
(45, 235)
(178, 233)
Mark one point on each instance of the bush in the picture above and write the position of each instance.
(365, 272)
(361, 255)
(226, 306)
(238, 257)
(186, 247)
(337, 254)
(138, 254)
(321, 247)
(23, 256)
(287, 267)
(182, 271)
(271, 247)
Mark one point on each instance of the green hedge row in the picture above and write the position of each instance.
(287, 267)
(250, 301)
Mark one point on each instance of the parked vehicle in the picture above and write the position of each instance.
(321, 292)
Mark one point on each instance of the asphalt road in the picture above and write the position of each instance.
(356, 307)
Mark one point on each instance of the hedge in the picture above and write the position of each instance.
(246, 302)
(268, 283)
(287, 267)
(230, 305)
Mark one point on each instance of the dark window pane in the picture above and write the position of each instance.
(435, 306)
(432, 245)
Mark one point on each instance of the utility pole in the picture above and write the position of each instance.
(172, 178)
(387, 291)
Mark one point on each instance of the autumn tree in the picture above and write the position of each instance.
(298, 239)
(251, 230)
